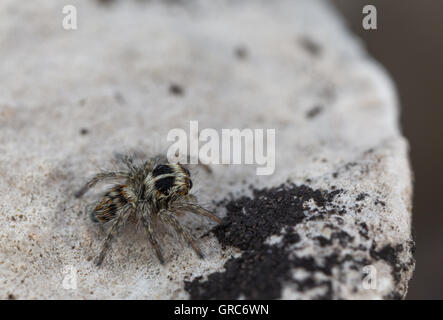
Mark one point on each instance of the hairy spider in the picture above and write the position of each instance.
(152, 192)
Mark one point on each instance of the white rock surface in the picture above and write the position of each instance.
(334, 110)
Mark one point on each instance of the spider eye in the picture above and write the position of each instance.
(164, 185)
(189, 183)
(162, 169)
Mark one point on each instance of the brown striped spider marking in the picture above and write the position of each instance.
(152, 192)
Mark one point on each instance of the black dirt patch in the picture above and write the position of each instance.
(343, 238)
(262, 268)
(364, 230)
(391, 254)
(387, 253)
(323, 241)
(250, 221)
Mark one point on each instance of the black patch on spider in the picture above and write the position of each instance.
(112, 209)
(186, 171)
(163, 185)
(118, 189)
(162, 169)
(122, 199)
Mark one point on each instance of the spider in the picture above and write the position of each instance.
(149, 193)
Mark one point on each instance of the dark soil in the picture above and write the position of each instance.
(262, 269)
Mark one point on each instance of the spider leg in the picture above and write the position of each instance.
(117, 223)
(100, 177)
(206, 167)
(159, 159)
(129, 162)
(147, 223)
(168, 218)
(198, 210)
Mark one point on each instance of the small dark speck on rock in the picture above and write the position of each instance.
(84, 131)
(382, 203)
(361, 196)
(119, 98)
(176, 89)
(364, 230)
(11, 296)
(241, 53)
(310, 46)
(315, 111)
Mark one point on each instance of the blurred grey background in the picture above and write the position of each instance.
(409, 43)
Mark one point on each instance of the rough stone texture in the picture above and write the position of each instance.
(339, 200)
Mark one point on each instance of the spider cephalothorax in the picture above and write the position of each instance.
(152, 192)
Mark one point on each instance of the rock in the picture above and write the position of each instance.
(335, 213)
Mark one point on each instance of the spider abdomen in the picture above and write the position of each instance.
(113, 201)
